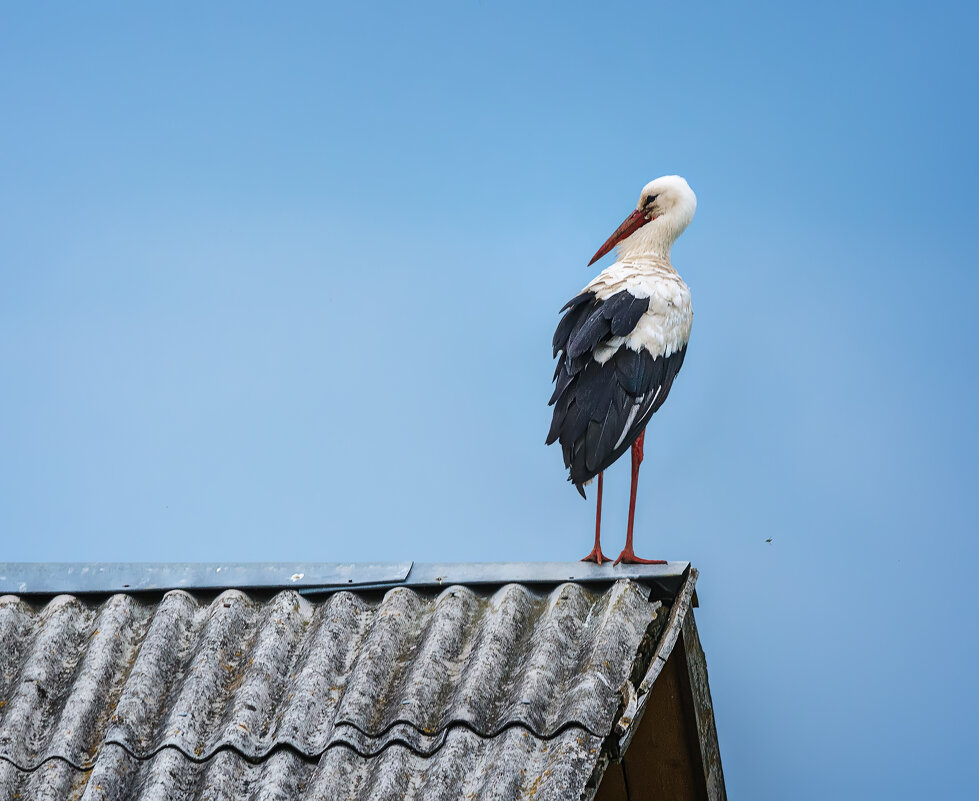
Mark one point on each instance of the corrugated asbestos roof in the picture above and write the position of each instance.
(482, 693)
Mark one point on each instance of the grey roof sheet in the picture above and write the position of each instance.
(348, 695)
(513, 765)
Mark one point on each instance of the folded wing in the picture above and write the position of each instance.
(606, 387)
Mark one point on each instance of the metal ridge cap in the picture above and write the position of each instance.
(474, 573)
(52, 578)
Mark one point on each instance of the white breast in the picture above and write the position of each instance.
(665, 327)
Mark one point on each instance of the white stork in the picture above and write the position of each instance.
(622, 341)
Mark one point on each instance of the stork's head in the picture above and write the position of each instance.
(666, 206)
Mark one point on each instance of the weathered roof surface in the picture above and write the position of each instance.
(514, 765)
(505, 692)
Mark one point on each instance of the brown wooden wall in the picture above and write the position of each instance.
(673, 755)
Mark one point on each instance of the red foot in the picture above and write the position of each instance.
(596, 556)
(627, 557)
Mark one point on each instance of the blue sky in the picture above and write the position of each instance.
(278, 282)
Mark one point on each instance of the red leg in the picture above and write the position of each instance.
(596, 554)
(628, 556)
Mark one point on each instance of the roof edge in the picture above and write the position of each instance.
(54, 578)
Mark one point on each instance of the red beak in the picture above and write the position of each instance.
(630, 225)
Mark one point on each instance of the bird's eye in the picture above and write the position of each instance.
(651, 199)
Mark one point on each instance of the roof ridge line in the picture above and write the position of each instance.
(79, 578)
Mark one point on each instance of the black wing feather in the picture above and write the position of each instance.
(570, 323)
(578, 299)
(596, 328)
(626, 317)
(562, 382)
